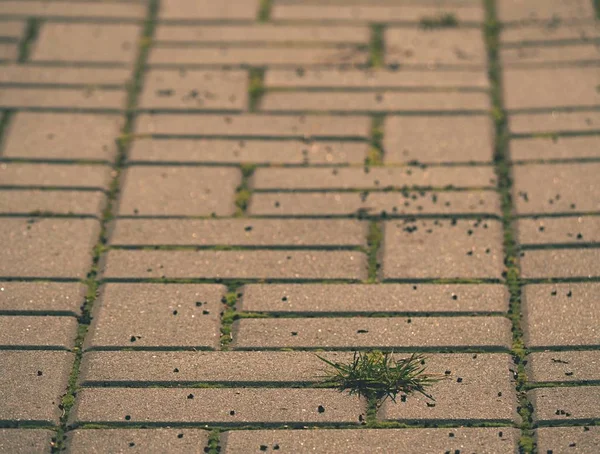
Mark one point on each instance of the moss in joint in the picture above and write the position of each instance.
(374, 240)
(256, 88)
(375, 153)
(264, 12)
(377, 46)
(242, 197)
(444, 20)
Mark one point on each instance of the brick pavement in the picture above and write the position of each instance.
(198, 196)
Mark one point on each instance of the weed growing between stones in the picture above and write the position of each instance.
(378, 375)
(446, 20)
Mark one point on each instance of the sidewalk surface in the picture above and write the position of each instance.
(198, 195)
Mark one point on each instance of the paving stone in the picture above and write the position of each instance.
(555, 148)
(437, 139)
(25, 441)
(16, 174)
(258, 56)
(350, 333)
(559, 230)
(263, 33)
(239, 232)
(52, 98)
(194, 90)
(550, 32)
(532, 56)
(98, 441)
(209, 10)
(303, 126)
(47, 333)
(562, 315)
(543, 10)
(220, 406)
(560, 188)
(63, 75)
(64, 9)
(528, 88)
(52, 248)
(374, 203)
(32, 384)
(564, 366)
(379, 11)
(365, 441)
(567, 404)
(62, 136)
(156, 315)
(477, 387)
(34, 202)
(576, 440)
(428, 249)
(236, 264)
(560, 263)
(384, 101)
(554, 122)
(399, 298)
(13, 29)
(192, 191)
(9, 51)
(55, 298)
(374, 78)
(90, 43)
(248, 151)
(371, 178)
(435, 47)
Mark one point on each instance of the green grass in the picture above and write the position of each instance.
(445, 20)
(264, 12)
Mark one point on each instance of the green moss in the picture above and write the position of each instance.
(444, 20)
(264, 11)
(377, 46)
(256, 88)
(374, 240)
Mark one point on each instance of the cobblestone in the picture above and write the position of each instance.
(70, 99)
(24, 441)
(564, 366)
(41, 297)
(54, 175)
(555, 148)
(544, 10)
(567, 404)
(67, 202)
(209, 10)
(560, 263)
(48, 333)
(570, 230)
(550, 32)
(567, 439)
(554, 122)
(66, 9)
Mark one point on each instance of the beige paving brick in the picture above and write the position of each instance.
(532, 56)
(240, 232)
(53, 248)
(438, 139)
(351, 333)
(97, 441)
(65, 8)
(9, 51)
(209, 10)
(374, 203)
(567, 439)
(62, 136)
(429, 249)
(251, 125)
(194, 90)
(567, 404)
(156, 315)
(477, 387)
(564, 366)
(551, 31)
(384, 101)
(54, 175)
(248, 151)
(42, 297)
(174, 190)
(46, 333)
(63, 75)
(571, 230)
(31, 201)
(263, 33)
(553, 122)
(12, 29)
(52, 98)
(435, 47)
(371, 178)
(32, 384)
(25, 441)
(560, 263)
(236, 264)
(220, 406)
(560, 188)
(555, 148)
(90, 43)
(543, 88)
(561, 315)
(364, 441)
(541, 10)
(258, 56)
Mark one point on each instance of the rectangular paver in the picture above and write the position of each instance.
(564, 366)
(63, 75)
(555, 148)
(550, 32)
(554, 122)
(14, 174)
(209, 10)
(352, 333)
(570, 230)
(562, 315)
(39, 332)
(156, 315)
(534, 56)
(32, 384)
(568, 439)
(239, 232)
(68, 9)
(88, 98)
(236, 264)
(13, 29)
(32, 202)
(429, 249)
(63, 298)
(560, 263)
(544, 10)
(565, 404)
(25, 441)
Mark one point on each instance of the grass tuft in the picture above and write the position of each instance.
(445, 20)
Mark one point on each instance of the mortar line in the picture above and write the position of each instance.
(93, 282)
(30, 35)
(5, 119)
(503, 170)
